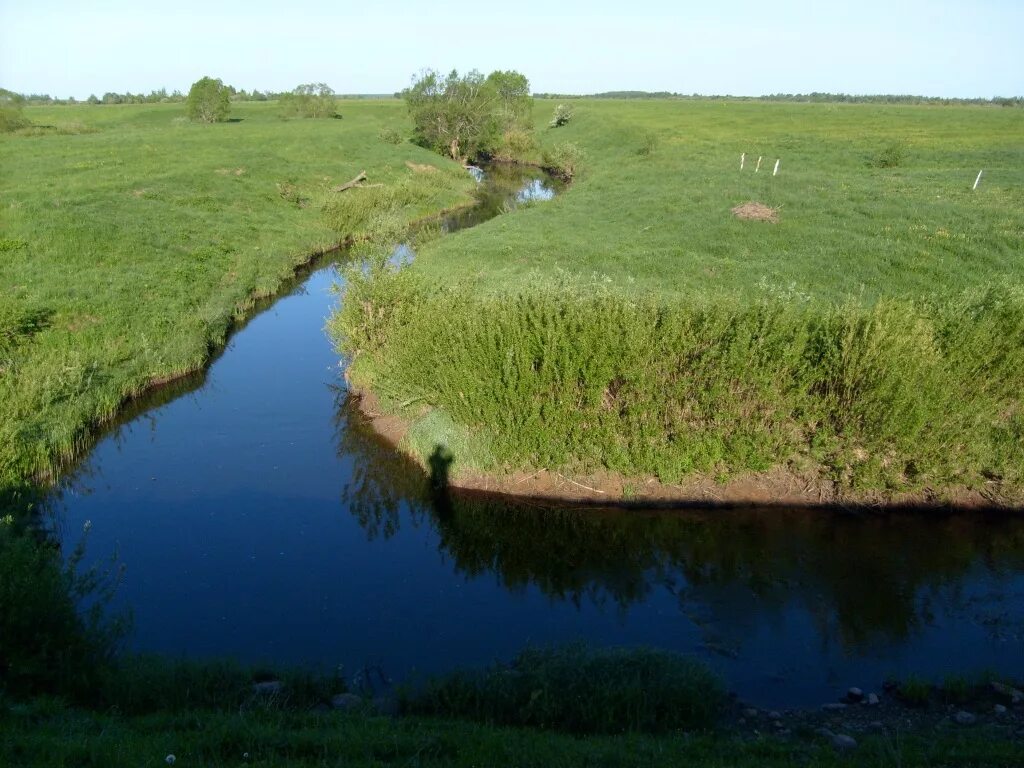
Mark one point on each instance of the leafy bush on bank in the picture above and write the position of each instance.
(576, 689)
(896, 396)
(310, 100)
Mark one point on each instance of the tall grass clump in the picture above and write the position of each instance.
(577, 689)
(895, 396)
(563, 160)
(382, 213)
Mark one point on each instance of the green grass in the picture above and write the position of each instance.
(869, 342)
(577, 689)
(651, 210)
(45, 734)
(131, 240)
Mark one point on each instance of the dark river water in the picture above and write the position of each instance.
(259, 519)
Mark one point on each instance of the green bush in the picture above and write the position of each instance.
(897, 396)
(467, 116)
(310, 100)
(648, 143)
(581, 690)
(208, 101)
(390, 135)
(562, 115)
(891, 156)
(563, 160)
(12, 119)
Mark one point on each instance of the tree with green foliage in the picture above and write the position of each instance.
(469, 115)
(208, 101)
(11, 117)
(310, 100)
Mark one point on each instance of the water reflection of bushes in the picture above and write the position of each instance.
(864, 580)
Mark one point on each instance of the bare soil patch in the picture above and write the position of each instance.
(751, 211)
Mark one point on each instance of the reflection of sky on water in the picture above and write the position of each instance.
(535, 190)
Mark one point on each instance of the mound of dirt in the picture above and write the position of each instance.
(756, 212)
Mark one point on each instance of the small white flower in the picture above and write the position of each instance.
(170, 759)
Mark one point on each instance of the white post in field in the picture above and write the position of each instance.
(776, 171)
(978, 179)
(743, 159)
(758, 168)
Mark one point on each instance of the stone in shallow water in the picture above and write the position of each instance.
(872, 699)
(1015, 696)
(833, 706)
(854, 695)
(844, 743)
(999, 709)
(267, 687)
(965, 718)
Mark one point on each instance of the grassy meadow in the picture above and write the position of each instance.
(651, 210)
(132, 239)
(871, 341)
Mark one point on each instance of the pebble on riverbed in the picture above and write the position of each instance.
(965, 718)
(833, 706)
(854, 695)
(1015, 696)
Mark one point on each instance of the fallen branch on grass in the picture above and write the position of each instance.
(356, 182)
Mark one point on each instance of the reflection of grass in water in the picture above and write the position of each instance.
(863, 595)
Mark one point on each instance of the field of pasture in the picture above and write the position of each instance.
(867, 339)
(131, 240)
(872, 201)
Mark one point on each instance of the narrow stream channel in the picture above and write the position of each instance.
(259, 519)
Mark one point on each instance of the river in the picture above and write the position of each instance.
(258, 518)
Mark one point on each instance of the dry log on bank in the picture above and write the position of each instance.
(356, 182)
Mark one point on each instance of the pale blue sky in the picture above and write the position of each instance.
(937, 48)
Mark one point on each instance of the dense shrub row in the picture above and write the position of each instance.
(899, 395)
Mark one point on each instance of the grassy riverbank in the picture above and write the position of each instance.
(868, 342)
(47, 734)
(131, 240)
(562, 707)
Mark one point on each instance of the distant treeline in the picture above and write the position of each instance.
(842, 98)
(162, 96)
(153, 97)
